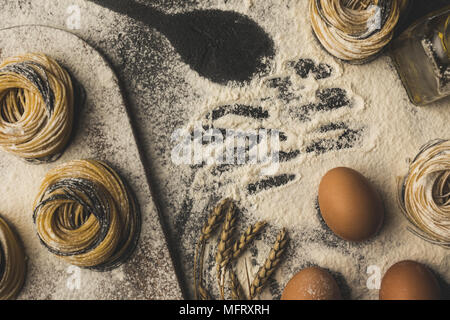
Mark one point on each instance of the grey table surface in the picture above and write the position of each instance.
(137, 62)
(149, 69)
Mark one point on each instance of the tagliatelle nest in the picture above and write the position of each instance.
(36, 104)
(355, 30)
(425, 193)
(12, 263)
(86, 215)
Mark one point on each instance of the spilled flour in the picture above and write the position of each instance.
(328, 114)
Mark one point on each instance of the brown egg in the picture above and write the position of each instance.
(350, 205)
(312, 284)
(409, 280)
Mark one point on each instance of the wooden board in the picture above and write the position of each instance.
(103, 131)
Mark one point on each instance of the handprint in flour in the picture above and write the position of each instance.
(297, 114)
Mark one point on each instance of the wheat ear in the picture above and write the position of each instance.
(224, 248)
(247, 237)
(212, 223)
(237, 292)
(270, 265)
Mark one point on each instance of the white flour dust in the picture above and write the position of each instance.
(329, 114)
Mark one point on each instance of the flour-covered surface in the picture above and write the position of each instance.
(328, 113)
(95, 137)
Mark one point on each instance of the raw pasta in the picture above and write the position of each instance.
(36, 103)
(425, 193)
(355, 30)
(85, 214)
(12, 263)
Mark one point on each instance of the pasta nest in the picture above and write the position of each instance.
(424, 193)
(36, 103)
(85, 214)
(12, 262)
(355, 30)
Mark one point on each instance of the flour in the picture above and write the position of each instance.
(374, 129)
(383, 130)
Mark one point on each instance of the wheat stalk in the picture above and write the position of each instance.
(224, 248)
(237, 292)
(215, 218)
(225, 213)
(247, 237)
(269, 266)
(212, 223)
(203, 293)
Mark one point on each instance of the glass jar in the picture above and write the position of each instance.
(421, 55)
